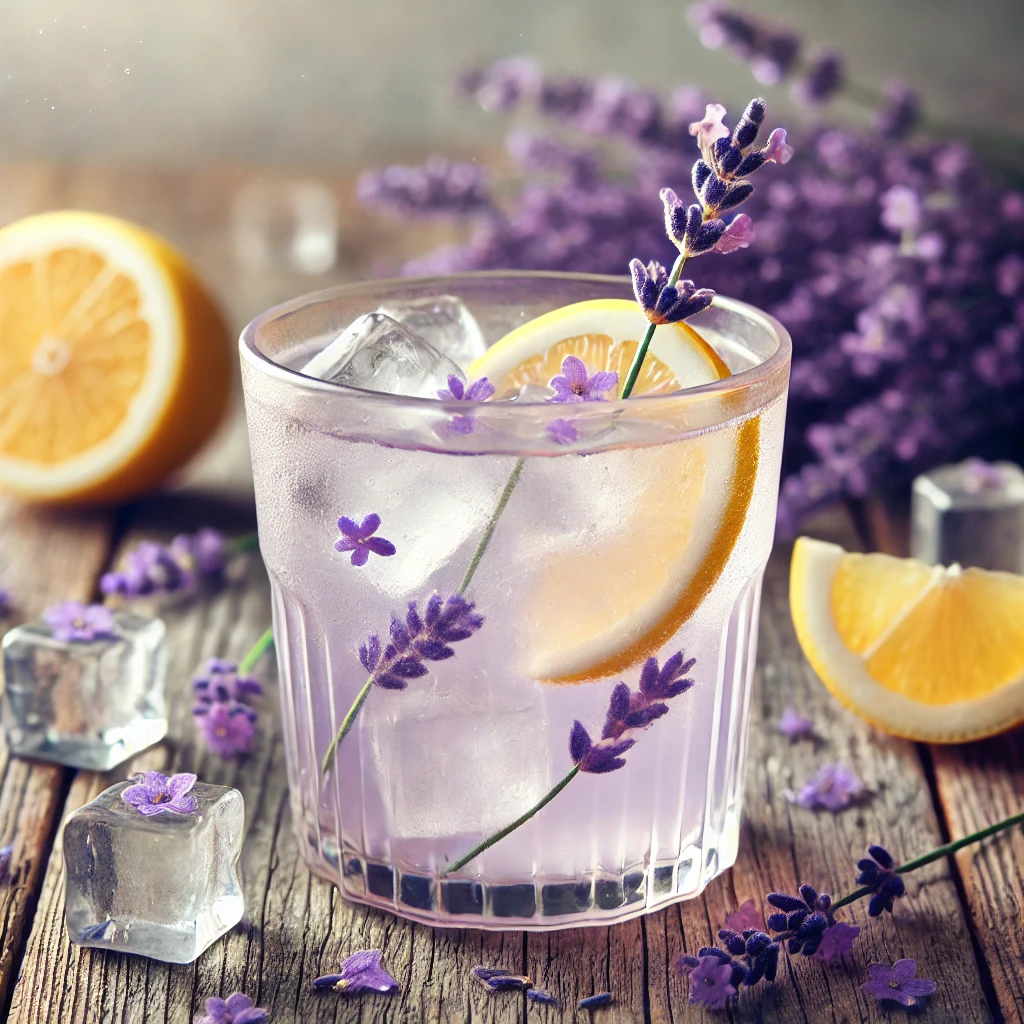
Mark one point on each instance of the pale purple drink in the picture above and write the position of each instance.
(429, 771)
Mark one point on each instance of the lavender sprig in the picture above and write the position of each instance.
(629, 712)
(411, 642)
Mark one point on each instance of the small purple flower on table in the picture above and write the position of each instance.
(218, 680)
(795, 726)
(156, 793)
(148, 569)
(745, 918)
(661, 302)
(236, 1009)
(574, 384)
(201, 553)
(836, 941)
(360, 972)
(801, 921)
(72, 620)
(629, 711)
(360, 540)
(228, 728)
(878, 873)
(563, 431)
(833, 787)
(898, 983)
(711, 983)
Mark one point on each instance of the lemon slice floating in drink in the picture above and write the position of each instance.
(595, 612)
(920, 651)
(114, 363)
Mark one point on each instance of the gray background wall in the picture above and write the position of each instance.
(343, 84)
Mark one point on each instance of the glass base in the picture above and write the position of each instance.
(538, 904)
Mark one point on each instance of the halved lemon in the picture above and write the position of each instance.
(920, 651)
(115, 365)
(596, 611)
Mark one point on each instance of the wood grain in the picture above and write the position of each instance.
(44, 558)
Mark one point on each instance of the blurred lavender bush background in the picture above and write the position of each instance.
(893, 253)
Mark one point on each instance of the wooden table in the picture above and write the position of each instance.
(962, 920)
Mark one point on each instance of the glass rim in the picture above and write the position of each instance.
(730, 387)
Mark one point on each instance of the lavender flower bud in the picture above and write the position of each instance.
(823, 80)
(735, 194)
(746, 129)
(700, 174)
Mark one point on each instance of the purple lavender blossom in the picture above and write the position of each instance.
(711, 983)
(663, 303)
(438, 188)
(358, 538)
(898, 983)
(574, 384)
(479, 391)
(776, 150)
(711, 128)
(563, 431)
(738, 235)
(536, 995)
(595, 1002)
(629, 711)
(833, 787)
(836, 941)
(218, 680)
(156, 793)
(361, 972)
(445, 621)
(749, 958)
(878, 873)
(979, 475)
(497, 979)
(152, 568)
(801, 921)
(236, 1009)
(227, 726)
(901, 209)
(745, 918)
(202, 553)
(795, 726)
(901, 113)
(822, 80)
(72, 620)
(769, 50)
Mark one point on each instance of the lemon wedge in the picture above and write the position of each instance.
(115, 365)
(925, 652)
(596, 612)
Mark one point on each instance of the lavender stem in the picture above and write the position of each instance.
(543, 802)
(258, 649)
(510, 486)
(325, 765)
(641, 352)
(937, 854)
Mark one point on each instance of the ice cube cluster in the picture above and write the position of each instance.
(403, 348)
(152, 867)
(88, 698)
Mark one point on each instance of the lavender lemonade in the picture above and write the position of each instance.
(515, 537)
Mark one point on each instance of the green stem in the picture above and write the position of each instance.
(328, 760)
(247, 542)
(938, 854)
(498, 836)
(256, 652)
(641, 352)
(510, 486)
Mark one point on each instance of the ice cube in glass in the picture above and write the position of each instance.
(85, 703)
(442, 321)
(165, 886)
(377, 353)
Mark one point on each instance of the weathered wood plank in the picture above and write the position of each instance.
(978, 784)
(784, 845)
(44, 557)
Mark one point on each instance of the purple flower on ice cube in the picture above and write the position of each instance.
(833, 787)
(795, 726)
(358, 538)
(156, 793)
(72, 620)
(574, 384)
(236, 1009)
(360, 972)
(898, 983)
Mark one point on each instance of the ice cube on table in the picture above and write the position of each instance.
(450, 765)
(444, 322)
(85, 703)
(380, 354)
(165, 885)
